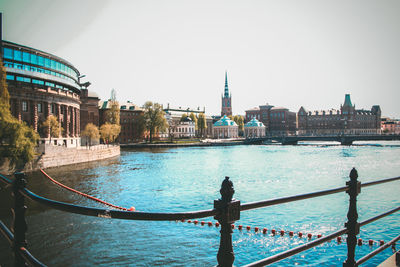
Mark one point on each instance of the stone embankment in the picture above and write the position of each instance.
(56, 156)
(59, 156)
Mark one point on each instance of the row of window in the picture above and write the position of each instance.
(24, 107)
(34, 81)
(34, 59)
(40, 70)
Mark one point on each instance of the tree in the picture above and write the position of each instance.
(91, 132)
(139, 126)
(109, 132)
(201, 123)
(112, 115)
(154, 118)
(239, 121)
(52, 126)
(184, 116)
(194, 119)
(17, 140)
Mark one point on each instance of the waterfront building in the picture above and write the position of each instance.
(42, 84)
(254, 128)
(174, 115)
(277, 120)
(186, 128)
(226, 100)
(89, 108)
(347, 120)
(129, 114)
(225, 128)
(390, 126)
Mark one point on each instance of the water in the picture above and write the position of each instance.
(188, 179)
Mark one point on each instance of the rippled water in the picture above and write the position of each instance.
(187, 179)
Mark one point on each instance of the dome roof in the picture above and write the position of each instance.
(254, 123)
(225, 121)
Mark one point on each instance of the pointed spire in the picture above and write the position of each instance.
(226, 85)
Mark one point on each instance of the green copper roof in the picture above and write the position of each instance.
(347, 101)
(254, 123)
(225, 121)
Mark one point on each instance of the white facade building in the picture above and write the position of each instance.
(184, 129)
(254, 128)
(225, 128)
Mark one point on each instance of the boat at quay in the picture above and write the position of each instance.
(187, 179)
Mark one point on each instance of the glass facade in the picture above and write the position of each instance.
(22, 60)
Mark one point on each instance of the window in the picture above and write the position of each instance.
(24, 106)
(10, 77)
(40, 61)
(34, 59)
(20, 79)
(39, 107)
(53, 108)
(50, 84)
(26, 57)
(8, 53)
(38, 82)
(53, 64)
(8, 64)
(17, 55)
(47, 63)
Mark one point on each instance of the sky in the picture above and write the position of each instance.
(288, 53)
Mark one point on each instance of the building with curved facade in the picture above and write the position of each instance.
(41, 84)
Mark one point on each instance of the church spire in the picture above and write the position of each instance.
(226, 85)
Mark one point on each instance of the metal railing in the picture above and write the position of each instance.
(226, 210)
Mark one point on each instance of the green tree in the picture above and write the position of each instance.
(109, 132)
(184, 116)
(52, 126)
(194, 119)
(239, 121)
(112, 115)
(154, 118)
(115, 130)
(91, 132)
(201, 123)
(17, 140)
(139, 126)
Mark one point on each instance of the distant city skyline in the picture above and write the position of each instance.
(286, 53)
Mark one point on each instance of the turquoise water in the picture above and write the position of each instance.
(188, 179)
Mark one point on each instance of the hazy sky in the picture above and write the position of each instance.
(287, 53)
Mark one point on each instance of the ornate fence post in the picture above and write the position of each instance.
(352, 225)
(229, 212)
(19, 223)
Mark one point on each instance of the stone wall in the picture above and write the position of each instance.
(58, 156)
(55, 156)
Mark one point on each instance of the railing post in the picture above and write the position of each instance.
(229, 212)
(19, 224)
(352, 225)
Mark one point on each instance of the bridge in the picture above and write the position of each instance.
(342, 139)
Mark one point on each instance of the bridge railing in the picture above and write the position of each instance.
(226, 210)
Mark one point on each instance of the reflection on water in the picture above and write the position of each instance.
(187, 179)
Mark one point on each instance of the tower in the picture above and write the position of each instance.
(226, 99)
